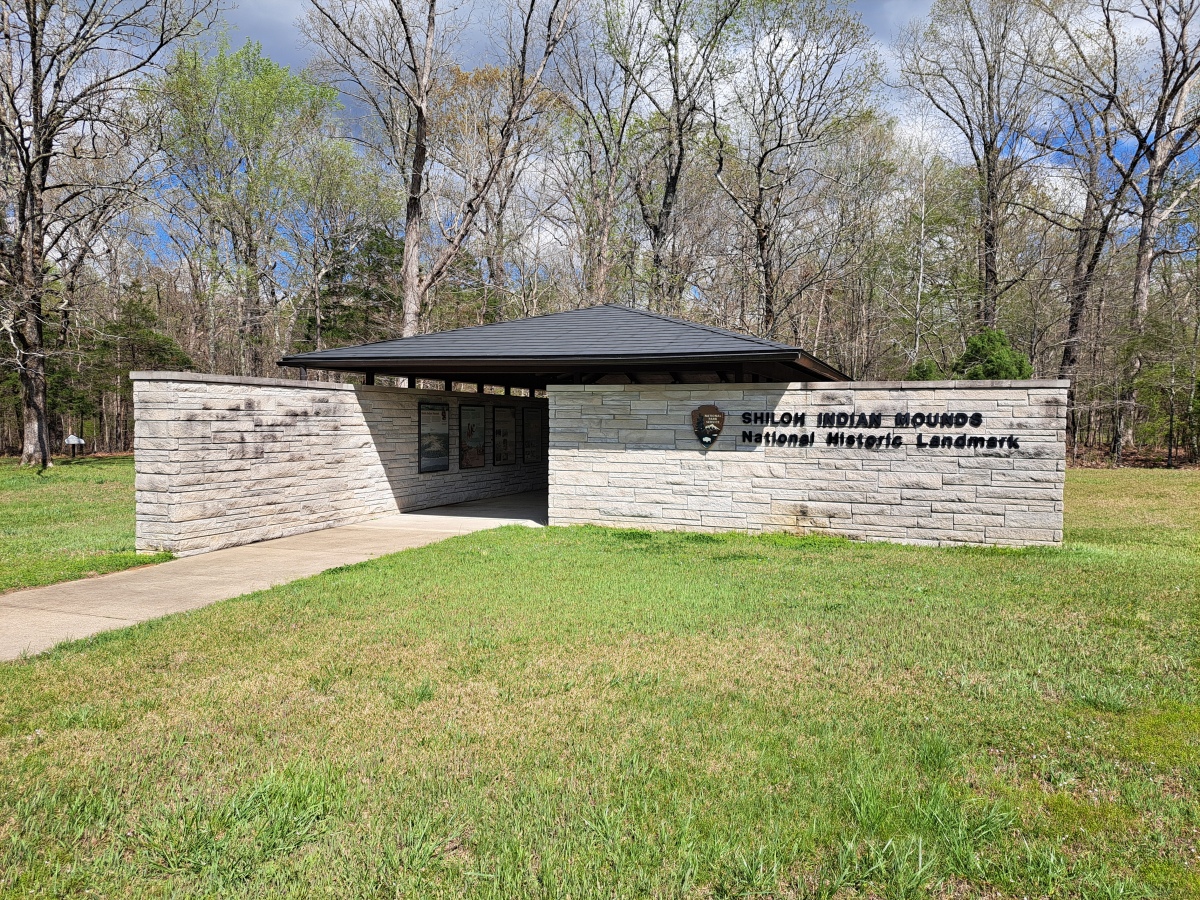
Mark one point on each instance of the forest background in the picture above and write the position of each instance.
(1006, 188)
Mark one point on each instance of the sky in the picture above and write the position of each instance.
(273, 24)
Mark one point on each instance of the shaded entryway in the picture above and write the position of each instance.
(34, 620)
(528, 508)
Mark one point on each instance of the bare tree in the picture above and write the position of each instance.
(671, 50)
(971, 62)
(391, 54)
(595, 176)
(1082, 134)
(1129, 68)
(803, 74)
(471, 111)
(67, 77)
(340, 203)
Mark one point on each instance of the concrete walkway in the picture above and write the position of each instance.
(36, 619)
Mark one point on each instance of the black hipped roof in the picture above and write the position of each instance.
(600, 343)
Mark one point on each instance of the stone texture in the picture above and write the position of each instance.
(626, 455)
(223, 461)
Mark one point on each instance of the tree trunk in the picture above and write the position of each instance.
(410, 267)
(493, 304)
(1089, 244)
(1152, 218)
(601, 263)
(35, 447)
(768, 281)
(1089, 249)
(660, 221)
(989, 240)
(657, 288)
(31, 349)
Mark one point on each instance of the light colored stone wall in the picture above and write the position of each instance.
(225, 461)
(628, 455)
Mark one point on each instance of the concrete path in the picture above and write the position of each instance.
(36, 619)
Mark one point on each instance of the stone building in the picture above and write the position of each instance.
(621, 416)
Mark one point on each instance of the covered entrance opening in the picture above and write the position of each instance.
(604, 345)
(527, 508)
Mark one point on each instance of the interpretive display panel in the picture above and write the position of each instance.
(471, 434)
(504, 436)
(532, 436)
(433, 438)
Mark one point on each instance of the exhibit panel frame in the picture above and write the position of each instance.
(504, 436)
(472, 436)
(433, 437)
(533, 435)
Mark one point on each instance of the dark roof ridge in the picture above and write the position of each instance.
(712, 329)
(544, 315)
(775, 345)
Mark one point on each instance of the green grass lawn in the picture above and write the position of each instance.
(70, 521)
(599, 713)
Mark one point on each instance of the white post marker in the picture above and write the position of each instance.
(73, 441)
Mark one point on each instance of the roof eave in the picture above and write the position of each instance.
(530, 364)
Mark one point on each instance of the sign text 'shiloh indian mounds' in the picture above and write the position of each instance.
(861, 430)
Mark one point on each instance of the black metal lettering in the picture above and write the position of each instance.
(976, 420)
(902, 420)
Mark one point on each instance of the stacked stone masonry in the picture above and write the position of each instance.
(225, 461)
(628, 455)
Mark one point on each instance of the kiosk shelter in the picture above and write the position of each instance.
(622, 416)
